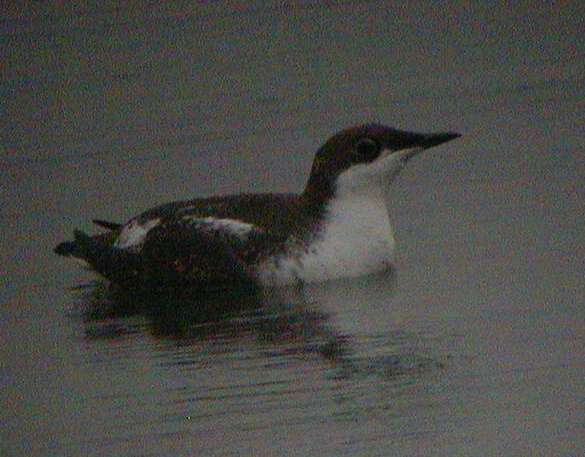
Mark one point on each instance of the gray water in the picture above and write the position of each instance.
(473, 345)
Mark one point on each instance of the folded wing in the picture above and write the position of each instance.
(180, 252)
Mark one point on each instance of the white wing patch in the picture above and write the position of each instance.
(134, 233)
(233, 227)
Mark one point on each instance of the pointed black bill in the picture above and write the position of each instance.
(409, 144)
(435, 139)
(398, 140)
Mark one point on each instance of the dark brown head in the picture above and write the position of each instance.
(364, 156)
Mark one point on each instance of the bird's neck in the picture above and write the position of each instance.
(346, 210)
(367, 204)
(320, 191)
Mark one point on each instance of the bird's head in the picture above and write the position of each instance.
(367, 156)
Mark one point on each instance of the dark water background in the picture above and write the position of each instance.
(474, 346)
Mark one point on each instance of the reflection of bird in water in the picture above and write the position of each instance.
(267, 316)
(285, 321)
(337, 227)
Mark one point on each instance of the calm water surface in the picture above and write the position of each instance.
(473, 345)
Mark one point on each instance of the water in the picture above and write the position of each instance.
(473, 345)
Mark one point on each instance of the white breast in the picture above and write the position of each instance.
(356, 239)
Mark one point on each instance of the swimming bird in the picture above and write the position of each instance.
(338, 226)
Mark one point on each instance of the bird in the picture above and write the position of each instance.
(337, 227)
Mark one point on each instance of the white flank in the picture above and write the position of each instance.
(356, 239)
(133, 233)
(231, 226)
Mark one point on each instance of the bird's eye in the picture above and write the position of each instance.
(367, 149)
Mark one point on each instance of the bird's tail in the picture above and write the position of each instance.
(117, 265)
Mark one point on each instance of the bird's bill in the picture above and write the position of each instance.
(420, 142)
